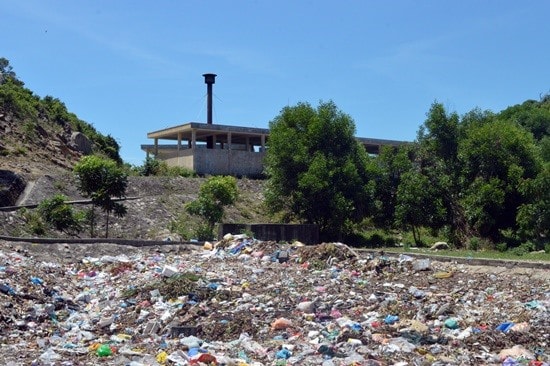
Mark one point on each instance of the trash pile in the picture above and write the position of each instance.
(245, 302)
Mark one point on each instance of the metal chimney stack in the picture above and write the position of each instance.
(209, 79)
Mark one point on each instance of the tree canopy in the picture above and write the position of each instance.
(481, 170)
(214, 194)
(317, 171)
(102, 180)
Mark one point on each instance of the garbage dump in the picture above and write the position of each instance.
(245, 302)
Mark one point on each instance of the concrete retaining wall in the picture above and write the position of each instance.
(307, 234)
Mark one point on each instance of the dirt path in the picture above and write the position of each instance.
(23, 196)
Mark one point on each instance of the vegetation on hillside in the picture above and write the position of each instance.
(34, 114)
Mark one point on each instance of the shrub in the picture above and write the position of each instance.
(204, 232)
(59, 214)
(33, 222)
(501, 247)
(523, 249)
(180, 226)
(370, 239)
(216, 193)
(477, 243)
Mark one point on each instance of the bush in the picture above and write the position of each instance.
(523, 249)
(501, 247)
(154, 167)
(33, 222)
(204, 232)
(180, 226)
(371, 239)
(477, 243)
(214, 195)
(59, 214)
(474, 244)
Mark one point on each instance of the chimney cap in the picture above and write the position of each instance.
(209, 78)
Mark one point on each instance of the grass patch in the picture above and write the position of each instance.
(484, 254)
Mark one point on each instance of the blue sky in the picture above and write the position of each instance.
(131, 67)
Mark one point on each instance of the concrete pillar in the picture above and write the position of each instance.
(193, 139)
(213, 141)
(263, 143)
(247, 143)
(156, 147)
(229, 140)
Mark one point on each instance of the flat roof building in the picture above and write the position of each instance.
(214, 149)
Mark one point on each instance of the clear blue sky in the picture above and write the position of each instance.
(132, 66)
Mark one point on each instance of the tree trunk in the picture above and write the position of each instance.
(107, 226)
(416, 235)
(92, 221)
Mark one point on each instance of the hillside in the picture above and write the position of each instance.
(38, 134)
(155, 208)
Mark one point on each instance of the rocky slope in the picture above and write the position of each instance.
(32, 149)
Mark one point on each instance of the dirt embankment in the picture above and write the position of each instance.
(156, 210)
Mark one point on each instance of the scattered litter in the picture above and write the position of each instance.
(245, 302)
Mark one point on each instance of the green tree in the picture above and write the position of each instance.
(496, 157)
(437, 159)
(57, 213)
(418, 204)
(7, 73)
(544, 145)
(532, 115)
(102, 180)
(214, 194)
(533, 216)
(317, 171)
(392, 163)
(151, 166)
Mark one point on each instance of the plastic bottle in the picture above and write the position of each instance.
(104, 351)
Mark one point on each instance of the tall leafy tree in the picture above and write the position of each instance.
(437, 159)
(497, 157)
(418, 204)
(317, 171)
(392, 164)
(533, 216)
(102, 180)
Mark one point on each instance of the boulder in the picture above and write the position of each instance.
(81, 142)
(440, 245)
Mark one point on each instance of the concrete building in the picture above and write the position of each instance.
(214, 149)
(211, 148)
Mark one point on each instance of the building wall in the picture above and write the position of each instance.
(183, 157)
(229, 162)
